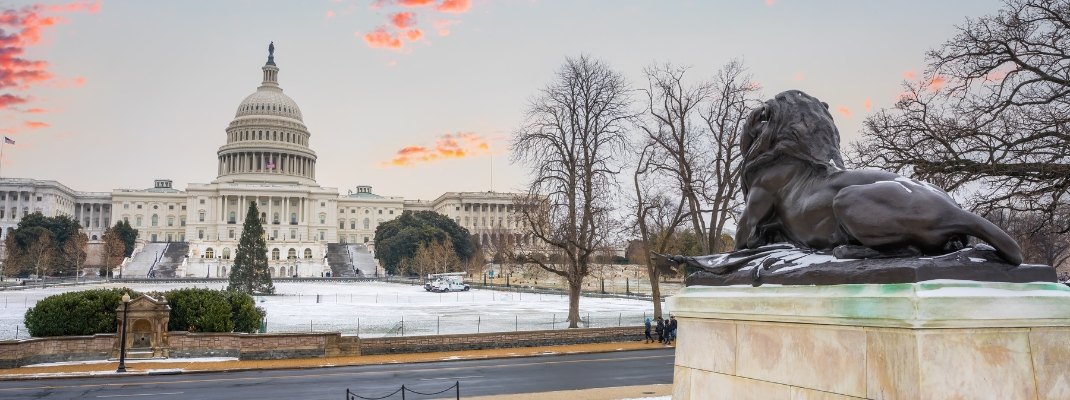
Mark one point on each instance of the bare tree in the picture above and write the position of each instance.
(573, 131)
(433, 258)
(989, 118)
(114, 251)
(39, 253)
(734, 93)
(13, 254)
(673, 127)
(1038, 237)
(75, 253)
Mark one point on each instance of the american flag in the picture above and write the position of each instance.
(270, 165)
(8, 140)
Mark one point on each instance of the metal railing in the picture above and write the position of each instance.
(456, 388)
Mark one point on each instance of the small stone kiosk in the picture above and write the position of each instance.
(861, 285)
(147, 333)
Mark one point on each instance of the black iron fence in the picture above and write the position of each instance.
(456, 388)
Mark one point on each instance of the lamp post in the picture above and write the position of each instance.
(122, 335)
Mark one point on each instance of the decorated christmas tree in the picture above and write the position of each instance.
(250, 271)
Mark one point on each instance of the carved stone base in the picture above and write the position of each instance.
(946, 340)
(968, 264)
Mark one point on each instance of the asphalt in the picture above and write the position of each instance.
(477, 378)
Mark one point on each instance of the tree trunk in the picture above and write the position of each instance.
(575, 284)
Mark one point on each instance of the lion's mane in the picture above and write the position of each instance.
(792, 124)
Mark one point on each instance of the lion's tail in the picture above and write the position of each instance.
(1006, 247)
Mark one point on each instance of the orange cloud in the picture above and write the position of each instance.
(37, 111)
(403, 20)
(459, 145)
(909, 74)
(414, 35)
(443, 32)
(868, 104)
(380, 38)
(454, 6)
(31, 125)
(79, 81)
(845, 111)
(330, 14)
(415, 3)
(90, 7)
(798, 77)
(377, 4)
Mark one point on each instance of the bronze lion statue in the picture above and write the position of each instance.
(798, 191)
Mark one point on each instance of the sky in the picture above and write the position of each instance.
(413, 97)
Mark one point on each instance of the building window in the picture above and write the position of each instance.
(230, 234)
(465, 221)
(209, 253)
(274, 234)
(200, 234)
(293, 218)
(276, 203)
(202, 201)
(353, 211)
(202, 217)
(139, 206)
(352, 224)
(126, 206)
(293, 233)
(38, 198)
(366, 239)
(263, 203)
(275, 218)
(322, 204)
(367, 224)
(233, 202)
(232, 218)
(366, 211)
(291, 254)
(341, 211)
(138, 221)
(341, 224)
(170, 221)
(126, 219)
(183, 208)
(171, 207)
(226, 253)
(275, 254)
(391, 211)
(182, 221)
(323, 235)
(293, 203)
(323, 219)
(380, 212)
(308, 253)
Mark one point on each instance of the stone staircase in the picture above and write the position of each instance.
(172, 258)
(363, 259)
(143, 261)
(340, 260)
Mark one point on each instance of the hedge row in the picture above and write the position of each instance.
(93, 311)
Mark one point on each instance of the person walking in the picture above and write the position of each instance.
(660, 329)
(670, 330)
(648, 338)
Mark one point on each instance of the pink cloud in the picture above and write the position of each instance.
(8, 100)
(403, 20)
(443, 32)
(380, 38)
(413, 35)
(377, 4)
(454, 6)
(845, 111)
(330, 14)
(910, 74)
(798, 77)
(442, 23)
(415, 3)
(868, 104)
(31, 125)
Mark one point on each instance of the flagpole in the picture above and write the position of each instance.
(2, 152)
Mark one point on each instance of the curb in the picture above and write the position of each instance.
(13, 377)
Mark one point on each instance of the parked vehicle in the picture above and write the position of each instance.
(448, 285)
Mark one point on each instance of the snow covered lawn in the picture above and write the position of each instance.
(377, 309)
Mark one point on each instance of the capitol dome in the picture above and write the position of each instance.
(268, 139)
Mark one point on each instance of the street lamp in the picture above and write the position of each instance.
(122, 335)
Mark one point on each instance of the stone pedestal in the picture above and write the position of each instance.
(929, 340)
(146, 328)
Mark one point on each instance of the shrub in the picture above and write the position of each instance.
(244, 312)
(199, 310)
(76, 313)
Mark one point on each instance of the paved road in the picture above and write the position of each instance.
(478, 378)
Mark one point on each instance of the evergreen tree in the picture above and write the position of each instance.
(250, 271)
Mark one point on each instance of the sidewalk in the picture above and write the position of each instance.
(178, 366)
(645, 392)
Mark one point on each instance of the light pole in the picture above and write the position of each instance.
(122, 335)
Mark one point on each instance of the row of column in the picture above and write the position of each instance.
(13, 208)
(284, 208)
(96, 215)
(257, 162)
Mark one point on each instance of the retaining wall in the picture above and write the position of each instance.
(16, 353)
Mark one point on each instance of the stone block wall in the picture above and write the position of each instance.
(498, 340)
(277, 346)
(16, 353)
(196, 344)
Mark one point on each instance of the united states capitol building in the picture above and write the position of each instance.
(265, 160)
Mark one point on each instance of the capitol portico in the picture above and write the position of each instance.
(265, 161)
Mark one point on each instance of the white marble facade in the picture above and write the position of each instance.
(266, 160)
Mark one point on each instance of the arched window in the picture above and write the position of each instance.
(155, 219)
(308, 253)
(209, 253)
(276, 218)
(226, 253)
(275, 254)
(367, 223)
(232, 217)
(291, 254)
(293, 218)
(263, 218)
